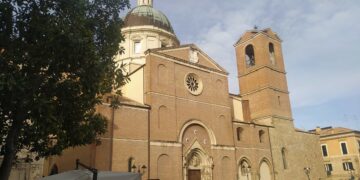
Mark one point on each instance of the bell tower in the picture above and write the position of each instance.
(262, 76)
(145, 2)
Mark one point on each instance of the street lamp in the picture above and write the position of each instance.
(139, 169)
(307, 172)
(352, 177)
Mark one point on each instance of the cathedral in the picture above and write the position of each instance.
(178, 121)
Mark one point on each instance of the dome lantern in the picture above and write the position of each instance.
(145, 2)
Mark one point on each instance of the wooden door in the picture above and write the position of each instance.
(194, 175)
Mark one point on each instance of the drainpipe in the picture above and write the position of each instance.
(148, 143)
(112, 138)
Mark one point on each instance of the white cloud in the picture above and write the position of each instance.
(320, 41)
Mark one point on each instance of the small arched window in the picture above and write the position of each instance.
(131, 163)
(261, 136)
(239, 131)
(272, 53)
(249, 56)
(283, 154)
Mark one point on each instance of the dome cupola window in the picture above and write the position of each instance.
(137, 47)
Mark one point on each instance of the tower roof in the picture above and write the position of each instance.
(254, 32)
(147, 15)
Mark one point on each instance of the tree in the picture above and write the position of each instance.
(56, 62)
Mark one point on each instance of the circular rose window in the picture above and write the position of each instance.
(193, 84)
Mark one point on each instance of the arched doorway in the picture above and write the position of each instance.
(54, 170)
(197, 162)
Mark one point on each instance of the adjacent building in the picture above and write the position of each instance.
(341, 152)
(177, 120)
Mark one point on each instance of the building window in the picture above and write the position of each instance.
(137, 47)
(283, 154)
(344, 149)
(348, 166)
(239, 131)
(279, 101)
(272, 53)
(328, 167)
(131, 163)
(194, 84)
(324, 150)
(249, 56)
(261, 136)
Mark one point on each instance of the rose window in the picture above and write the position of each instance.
(193, 84)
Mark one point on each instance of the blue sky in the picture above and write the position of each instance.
(321, 47)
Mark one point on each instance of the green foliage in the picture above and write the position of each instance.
(56, 61)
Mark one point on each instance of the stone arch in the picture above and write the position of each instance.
(225, 168)
(196, 159)
(250, 55)
(192, 122)
(162, 115)
(272, 53)
(164, 167)
(261, 136)
(244, 169)
(221, 117)
(265, 170)
(54, 169)
(239, 133)
(161, 74)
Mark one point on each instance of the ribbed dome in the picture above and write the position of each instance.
(147, 15)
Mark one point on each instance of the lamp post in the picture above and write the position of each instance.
(307, 172)
(352, 177)
(141, 169)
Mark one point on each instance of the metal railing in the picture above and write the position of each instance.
(93, 170)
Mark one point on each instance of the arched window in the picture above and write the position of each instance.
(283, 154)
(239, 131)
(131, 163)
(272, 53)
(249, 56)
(261, 136)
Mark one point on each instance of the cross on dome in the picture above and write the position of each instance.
(145, 2)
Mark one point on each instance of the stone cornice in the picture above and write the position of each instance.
(188, 63)
(263, 88)
(259, 68)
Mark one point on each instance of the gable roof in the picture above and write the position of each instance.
(255, 32)
(162, 52)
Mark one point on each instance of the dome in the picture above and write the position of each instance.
(147, 15)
